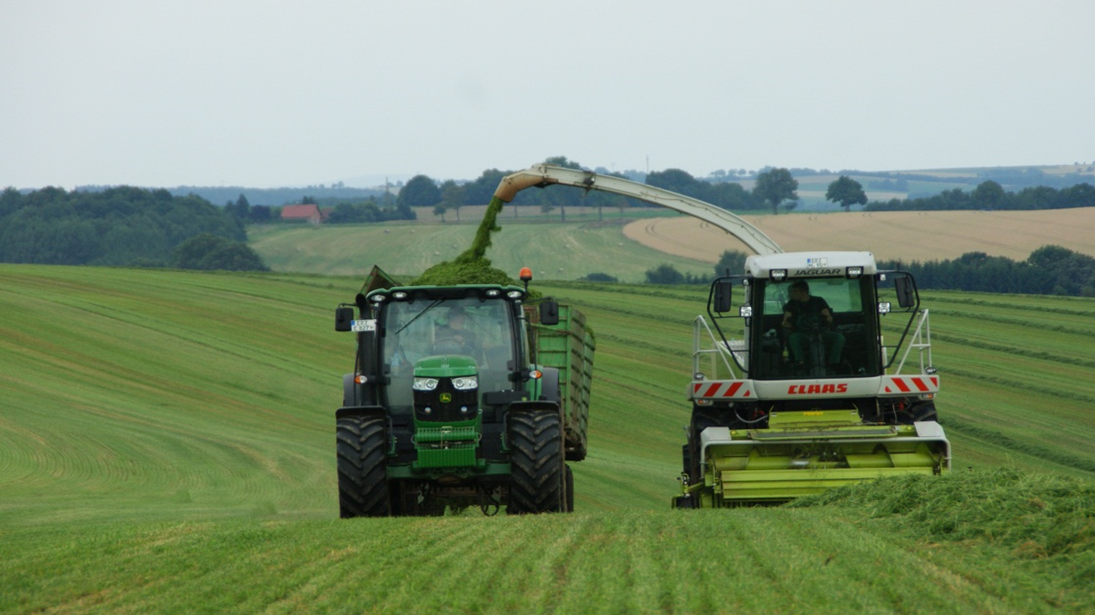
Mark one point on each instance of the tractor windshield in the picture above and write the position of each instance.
(469, 327)
(816, 328)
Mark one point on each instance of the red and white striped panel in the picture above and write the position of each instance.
(910, 384)
(722, 389)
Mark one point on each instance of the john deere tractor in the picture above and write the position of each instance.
(460, 396)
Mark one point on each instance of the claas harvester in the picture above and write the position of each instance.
(462, 395)
(853, 402)
(786, 407)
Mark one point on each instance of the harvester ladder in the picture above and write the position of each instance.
(921, 341)
(717, 351)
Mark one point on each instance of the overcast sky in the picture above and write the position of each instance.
(266, 93)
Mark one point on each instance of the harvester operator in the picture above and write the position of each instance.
(804, 315)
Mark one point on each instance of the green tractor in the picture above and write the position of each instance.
(461, 396)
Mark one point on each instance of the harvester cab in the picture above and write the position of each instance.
(811, 370)
(456, 400)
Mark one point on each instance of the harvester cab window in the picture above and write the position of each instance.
(841, 294)
(844, 347)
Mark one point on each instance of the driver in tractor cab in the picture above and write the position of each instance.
(454, 338)
(803, 316)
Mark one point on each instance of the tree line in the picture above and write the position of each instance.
(775, 188)
(1049, 270)
(266, 197)
(122, 226)
(991, 195)
(340, 210)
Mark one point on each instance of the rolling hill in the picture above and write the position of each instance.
(166, 445)
(627, 247)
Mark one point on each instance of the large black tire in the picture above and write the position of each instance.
(702, 418)
(920, 411)
(362, 472)
(569, 489)
(536, 463)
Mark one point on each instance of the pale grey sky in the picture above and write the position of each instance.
(278, 93)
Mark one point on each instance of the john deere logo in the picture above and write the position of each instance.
(446, 398)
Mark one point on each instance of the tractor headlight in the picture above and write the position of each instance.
(465, 383)
(424, 384)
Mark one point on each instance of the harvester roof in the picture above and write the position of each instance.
(811, 264)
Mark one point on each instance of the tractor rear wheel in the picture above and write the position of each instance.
(536, 463)
(362, 472)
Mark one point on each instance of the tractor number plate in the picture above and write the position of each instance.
(360, 326)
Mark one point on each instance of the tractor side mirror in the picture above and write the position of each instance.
(906, 292)
(344, 319)
(723, 292)
(549, 313)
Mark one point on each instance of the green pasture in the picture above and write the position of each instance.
(553, 250)
(167, 445)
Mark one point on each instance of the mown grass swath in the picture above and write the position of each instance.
(167, 445)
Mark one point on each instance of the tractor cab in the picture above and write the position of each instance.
(817, 317)
(451, 349)
(442, 354)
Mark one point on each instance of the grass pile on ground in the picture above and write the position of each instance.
(1030, 515)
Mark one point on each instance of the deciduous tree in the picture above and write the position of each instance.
(847, 192)
(420, 191)
(776, 186)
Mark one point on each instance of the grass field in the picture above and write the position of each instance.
(554, 250)
(907, 235)
(584, 245)
(167, 445)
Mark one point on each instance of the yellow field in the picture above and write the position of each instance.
(908, 235)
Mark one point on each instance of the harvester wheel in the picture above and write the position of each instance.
(536, 464)
(362, 472)
(702, 418)
(924, 411)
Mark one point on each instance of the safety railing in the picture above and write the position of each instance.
(718, 353)
(919, 340)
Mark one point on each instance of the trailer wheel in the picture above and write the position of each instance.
(362, 471)
(569, 488)
(536, 463)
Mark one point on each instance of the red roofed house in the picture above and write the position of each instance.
(307, 213)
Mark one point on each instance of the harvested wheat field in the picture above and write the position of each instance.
(908, 235)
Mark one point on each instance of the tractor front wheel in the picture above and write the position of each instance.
(536, 464)
(362, 472)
